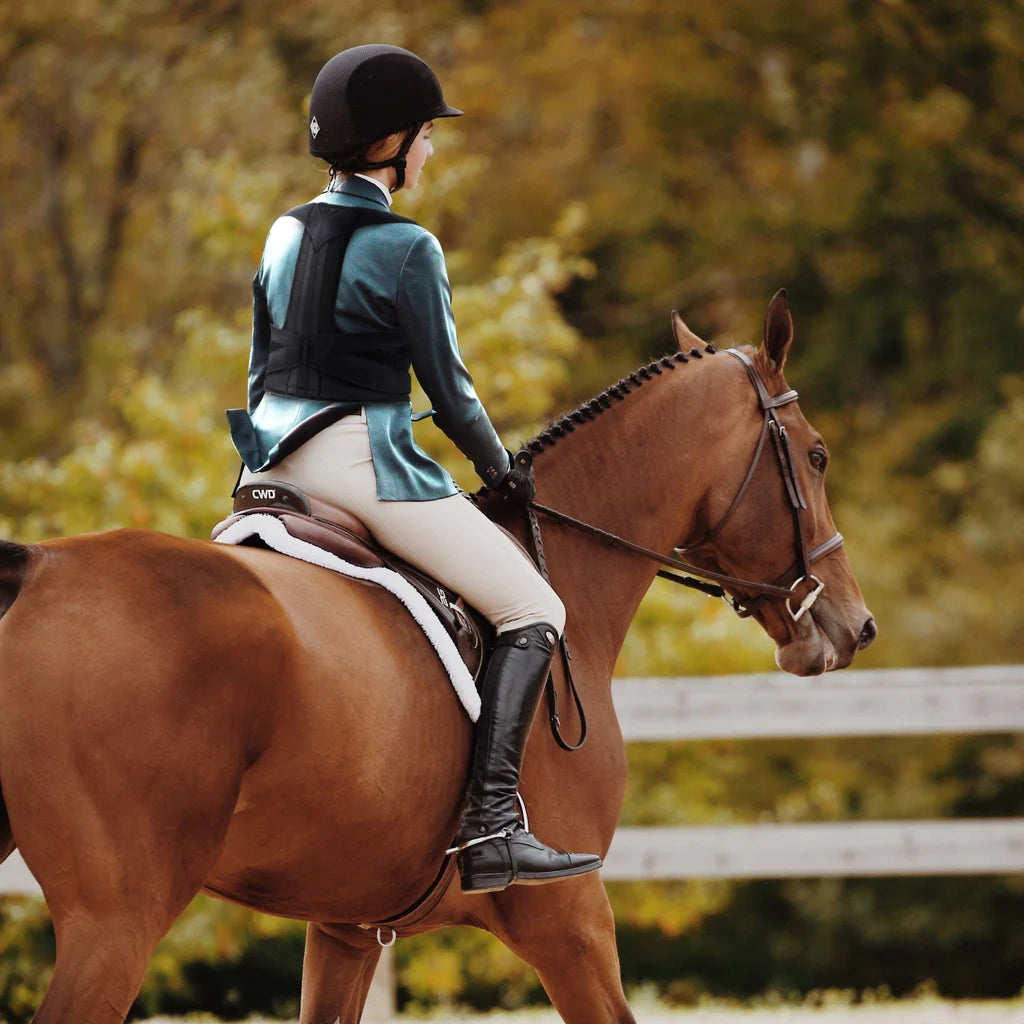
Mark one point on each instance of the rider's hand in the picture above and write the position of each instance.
(517, 487)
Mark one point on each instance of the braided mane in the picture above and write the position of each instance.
(556, 430)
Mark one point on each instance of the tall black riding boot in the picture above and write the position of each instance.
(495, 849)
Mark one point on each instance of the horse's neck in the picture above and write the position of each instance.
(623, 472)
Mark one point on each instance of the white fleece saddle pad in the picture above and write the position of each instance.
(273, 533)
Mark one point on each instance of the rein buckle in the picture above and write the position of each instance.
(808, 601)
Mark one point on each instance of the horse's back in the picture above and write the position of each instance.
(142, 610)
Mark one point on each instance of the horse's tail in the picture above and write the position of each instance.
(14, 559)
(7, 844)
(13, 564)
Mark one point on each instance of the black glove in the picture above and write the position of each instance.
(517, 487)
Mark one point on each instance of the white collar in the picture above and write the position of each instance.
(379, 184)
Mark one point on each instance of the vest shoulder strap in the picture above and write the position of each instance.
(325, 221)
(310, 356)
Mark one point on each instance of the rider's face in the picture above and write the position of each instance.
(417, 157)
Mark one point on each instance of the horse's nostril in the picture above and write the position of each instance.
(867, 634)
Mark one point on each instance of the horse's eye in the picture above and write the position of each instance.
(819, 460)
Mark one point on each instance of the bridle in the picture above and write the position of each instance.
(744, 607)
(772, 425)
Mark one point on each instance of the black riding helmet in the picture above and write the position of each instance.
(366, 93)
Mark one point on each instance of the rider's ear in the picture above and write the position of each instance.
(685, 338)
(778, 331)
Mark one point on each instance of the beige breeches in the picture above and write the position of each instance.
(448, 538)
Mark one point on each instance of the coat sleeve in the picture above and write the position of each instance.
(425, 315)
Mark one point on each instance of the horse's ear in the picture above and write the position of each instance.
(778, 331)
(685, 338)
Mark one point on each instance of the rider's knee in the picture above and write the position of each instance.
(549, 609)
(555, 615)
(544, 606)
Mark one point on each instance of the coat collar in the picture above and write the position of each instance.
(363, 189)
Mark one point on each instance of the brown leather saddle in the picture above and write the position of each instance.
(339, 532)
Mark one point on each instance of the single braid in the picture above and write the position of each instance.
(616, 392)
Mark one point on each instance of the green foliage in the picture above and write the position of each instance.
(27, 950)
(785, 939)
(227, 961)
(462, 967)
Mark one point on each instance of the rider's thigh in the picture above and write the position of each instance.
(453, 541)
(447, 538)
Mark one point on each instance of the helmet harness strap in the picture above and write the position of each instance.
(398, 160)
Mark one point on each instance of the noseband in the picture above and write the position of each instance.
(744, 607)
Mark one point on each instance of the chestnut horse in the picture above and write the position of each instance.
(178, 716)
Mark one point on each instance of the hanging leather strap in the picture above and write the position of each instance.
(565, 654)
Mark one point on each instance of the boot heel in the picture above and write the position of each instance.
(485, 883)
(487, 866)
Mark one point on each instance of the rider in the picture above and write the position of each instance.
(346, 298)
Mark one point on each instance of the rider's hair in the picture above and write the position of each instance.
(382, 149)
(377, 154)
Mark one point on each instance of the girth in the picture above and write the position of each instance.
(310, 356)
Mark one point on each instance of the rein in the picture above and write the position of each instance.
(563, 646)
(770, 425)
(706, 581)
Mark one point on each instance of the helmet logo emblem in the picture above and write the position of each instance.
(314, 127)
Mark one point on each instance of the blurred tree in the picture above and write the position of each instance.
(867, 155)
(27, 949)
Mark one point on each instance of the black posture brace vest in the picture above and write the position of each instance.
(310, 356)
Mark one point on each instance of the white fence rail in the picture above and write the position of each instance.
(879, 703)
(990, 846)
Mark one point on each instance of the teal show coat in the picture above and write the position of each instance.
(393, 277)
